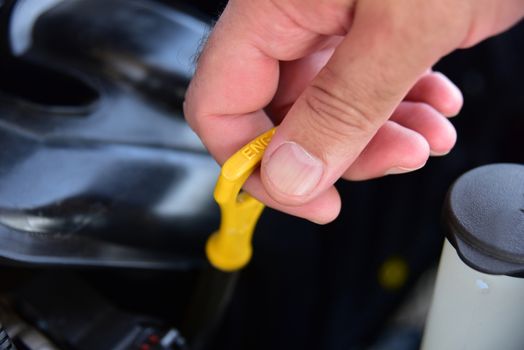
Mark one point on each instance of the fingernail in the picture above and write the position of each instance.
(400, 170)
(292, 170)
(438, 154)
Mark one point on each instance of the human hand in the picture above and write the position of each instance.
(347, 81)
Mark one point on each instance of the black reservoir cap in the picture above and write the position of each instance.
(484, 218)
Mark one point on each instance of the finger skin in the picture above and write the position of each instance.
(394, 147)
(433, 88)
(344, 106)
(425, 120)
(404, 143)
(436, 90)
(321, 210)
(337, 111)
(294, 78)
(226, 119)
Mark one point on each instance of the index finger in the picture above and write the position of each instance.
(238, 72)
(234, 80)
(237, 76)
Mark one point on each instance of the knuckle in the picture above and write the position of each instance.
(334, 113)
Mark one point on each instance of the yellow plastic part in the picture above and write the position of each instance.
(229, 249)
(393, 274)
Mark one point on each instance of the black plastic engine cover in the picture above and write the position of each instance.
(97, 165)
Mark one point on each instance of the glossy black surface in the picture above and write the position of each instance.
(98, 166)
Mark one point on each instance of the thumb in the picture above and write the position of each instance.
(341, 110)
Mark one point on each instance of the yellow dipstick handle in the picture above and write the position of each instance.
(230, 248)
